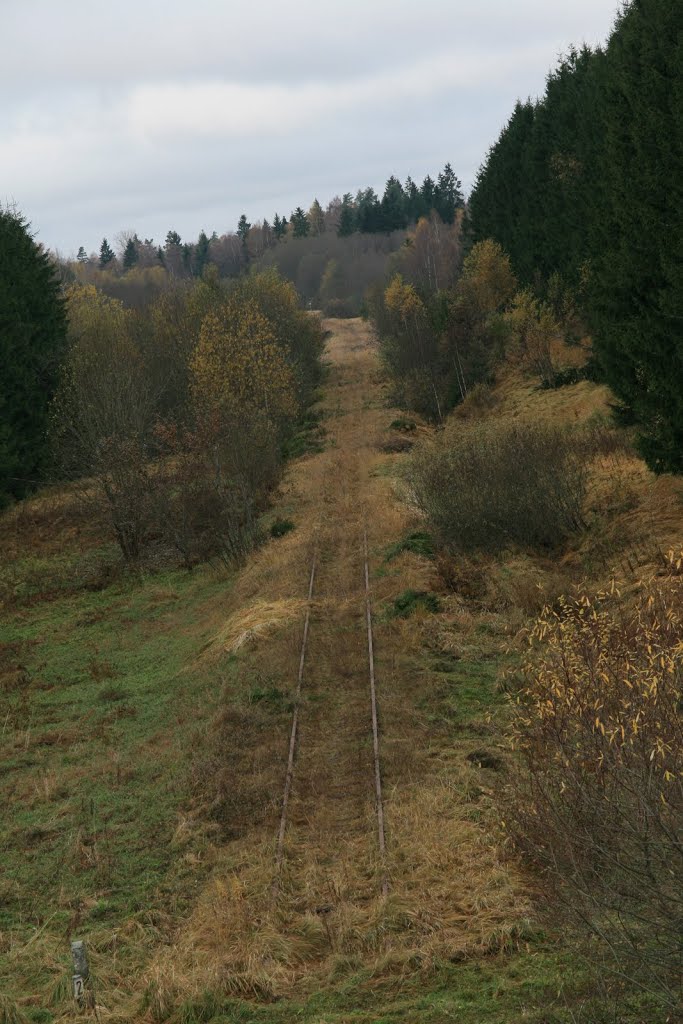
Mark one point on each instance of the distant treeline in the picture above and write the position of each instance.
(331, 254)
(367, 213)
(583, 190)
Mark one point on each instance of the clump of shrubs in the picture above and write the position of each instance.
(403, 424)
(490, 486)
(173, 420)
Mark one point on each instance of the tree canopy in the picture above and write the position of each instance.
(32, 339)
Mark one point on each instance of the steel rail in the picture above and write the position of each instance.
(379, 803)
(289, 776)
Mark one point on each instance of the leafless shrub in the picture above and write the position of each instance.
(328, 269)
(493, 485)
(211, 485)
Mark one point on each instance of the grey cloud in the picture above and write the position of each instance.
(149, 115)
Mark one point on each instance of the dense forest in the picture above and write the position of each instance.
(583, 192)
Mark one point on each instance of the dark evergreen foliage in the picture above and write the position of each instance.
(415, 207)
(106, 254)
(32, 339)
(201, 253)
(130, 255)
(279, 226)
(300, 223)
(347, 219)
(583, 190)
(448, 197)
(393, 206)
(186, 250)
(243, 226)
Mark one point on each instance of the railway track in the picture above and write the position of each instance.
(371, 728)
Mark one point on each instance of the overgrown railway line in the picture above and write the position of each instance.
(372, 727)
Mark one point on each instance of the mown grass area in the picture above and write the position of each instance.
(101, 692)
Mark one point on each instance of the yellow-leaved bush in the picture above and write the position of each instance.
(402, 300)
(603, 682)
(597, 799)
(237, 361)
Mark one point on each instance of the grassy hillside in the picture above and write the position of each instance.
(102, 691)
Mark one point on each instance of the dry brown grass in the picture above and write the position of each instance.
(258, 620)
(47, 523)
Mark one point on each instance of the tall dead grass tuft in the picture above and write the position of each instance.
(10, 1012)
(259, 620)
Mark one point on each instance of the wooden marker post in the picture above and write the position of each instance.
(81, 977)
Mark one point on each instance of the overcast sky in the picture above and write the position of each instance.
(157, 114)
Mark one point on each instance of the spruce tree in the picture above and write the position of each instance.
(81, 255)
(243, 227)
(414, 206)
(448, 195)
(201, 253)
(428, 195)
(106, 254)
(636, 281)
(32, 342)
(186, 256)
(368, 211)
(583, 189)
(393, 206)
(130, 255)
(300, 223)
(347, 218)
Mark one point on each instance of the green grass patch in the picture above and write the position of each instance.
(540, 985)
(270, 697)
(309, 436)
(418, 542)
(101, 693)
(464, 691)
(410, 601)
(406, 426)
(281, 527)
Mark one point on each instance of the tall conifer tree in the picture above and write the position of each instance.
(32, 342)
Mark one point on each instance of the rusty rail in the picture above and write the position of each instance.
(379, 804)
(289, 777)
